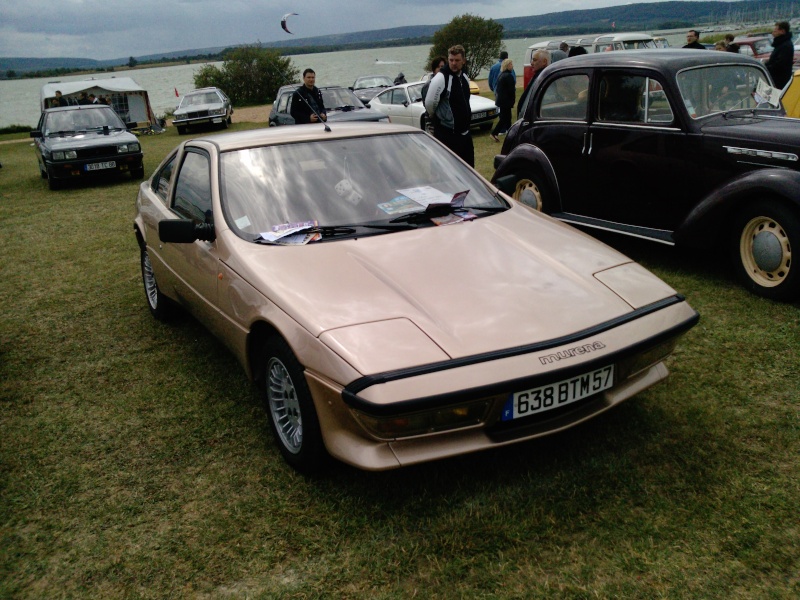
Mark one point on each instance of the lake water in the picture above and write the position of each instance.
(19, 99)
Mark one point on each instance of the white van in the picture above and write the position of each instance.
(623, 41)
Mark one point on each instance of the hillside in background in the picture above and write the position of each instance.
(650, 17)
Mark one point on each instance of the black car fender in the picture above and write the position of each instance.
(527, 157)
(710, 217)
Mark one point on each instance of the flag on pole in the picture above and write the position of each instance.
(177, 95)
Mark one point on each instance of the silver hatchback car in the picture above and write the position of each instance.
(206, 106)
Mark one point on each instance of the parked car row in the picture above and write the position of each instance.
(319, 256)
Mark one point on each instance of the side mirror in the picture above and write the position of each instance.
(184, 231)
(507, 184)
(36, 134)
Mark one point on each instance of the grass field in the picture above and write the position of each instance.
(136, 461)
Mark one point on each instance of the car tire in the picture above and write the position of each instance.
(224, 123)
(160, 306)
(764, 234)
(54, 183)
(137, 173)
(181, 129)
(531, 190)
(292, 416)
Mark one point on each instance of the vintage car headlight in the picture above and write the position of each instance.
(429, 421)
(216, 111)
(65, 155)
(125, 148)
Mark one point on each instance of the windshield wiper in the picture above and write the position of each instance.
(441, 210)
(344, 107)
(333, 231)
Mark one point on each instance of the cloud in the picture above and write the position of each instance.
(108, 29)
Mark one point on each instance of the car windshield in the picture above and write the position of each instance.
(198, 99)
(64, 121)
(340, 97)
(351, 181)
(639, 44)
(720, 88)
(376, 81)
(763, 46)
(415, 92)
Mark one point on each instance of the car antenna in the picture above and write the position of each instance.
(299, 95)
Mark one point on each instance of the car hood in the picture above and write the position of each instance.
(355, 114)
(745, 129)
(198, 108)
(480, 103)
(496, 282)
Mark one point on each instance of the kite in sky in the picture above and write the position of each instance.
(283, 22)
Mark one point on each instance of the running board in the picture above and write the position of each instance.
(661, 236)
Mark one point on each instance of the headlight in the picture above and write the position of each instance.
(217, 111)
(65, 155)
(429, 421)
(124, 148)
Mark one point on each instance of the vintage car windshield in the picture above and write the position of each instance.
(720, 88)
(70, 121)
(200, 99)
(351, 181)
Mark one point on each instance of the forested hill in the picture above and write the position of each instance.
(630, 17)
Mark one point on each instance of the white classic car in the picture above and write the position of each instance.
(403, 104)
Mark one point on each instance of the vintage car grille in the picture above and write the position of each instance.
(97, 151)
(196, 114)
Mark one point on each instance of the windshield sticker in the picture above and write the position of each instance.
(767, 93)
(242, 222)
(400, 204)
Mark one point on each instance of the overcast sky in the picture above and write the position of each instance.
(107, 29)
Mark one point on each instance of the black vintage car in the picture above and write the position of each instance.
(79, 142)
(676, 146)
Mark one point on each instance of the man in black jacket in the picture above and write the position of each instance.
(780, 61)
(306, 98)
(693, 39)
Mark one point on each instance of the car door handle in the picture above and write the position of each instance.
(587, 149)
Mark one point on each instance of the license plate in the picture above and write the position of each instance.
(101, 165)
(479, 115)
(558, 394)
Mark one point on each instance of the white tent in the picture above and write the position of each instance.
(127, 98)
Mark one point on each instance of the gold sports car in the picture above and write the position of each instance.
(393, 305)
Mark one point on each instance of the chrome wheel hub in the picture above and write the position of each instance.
(284, 406)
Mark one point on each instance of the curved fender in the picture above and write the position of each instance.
(708, 218)
(527, 156)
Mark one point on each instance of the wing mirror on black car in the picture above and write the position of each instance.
(184, 231)
(507, 184)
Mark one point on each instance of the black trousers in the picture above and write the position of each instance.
(459, 143)
(504, 122)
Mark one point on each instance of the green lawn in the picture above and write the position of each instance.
(136, 461)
